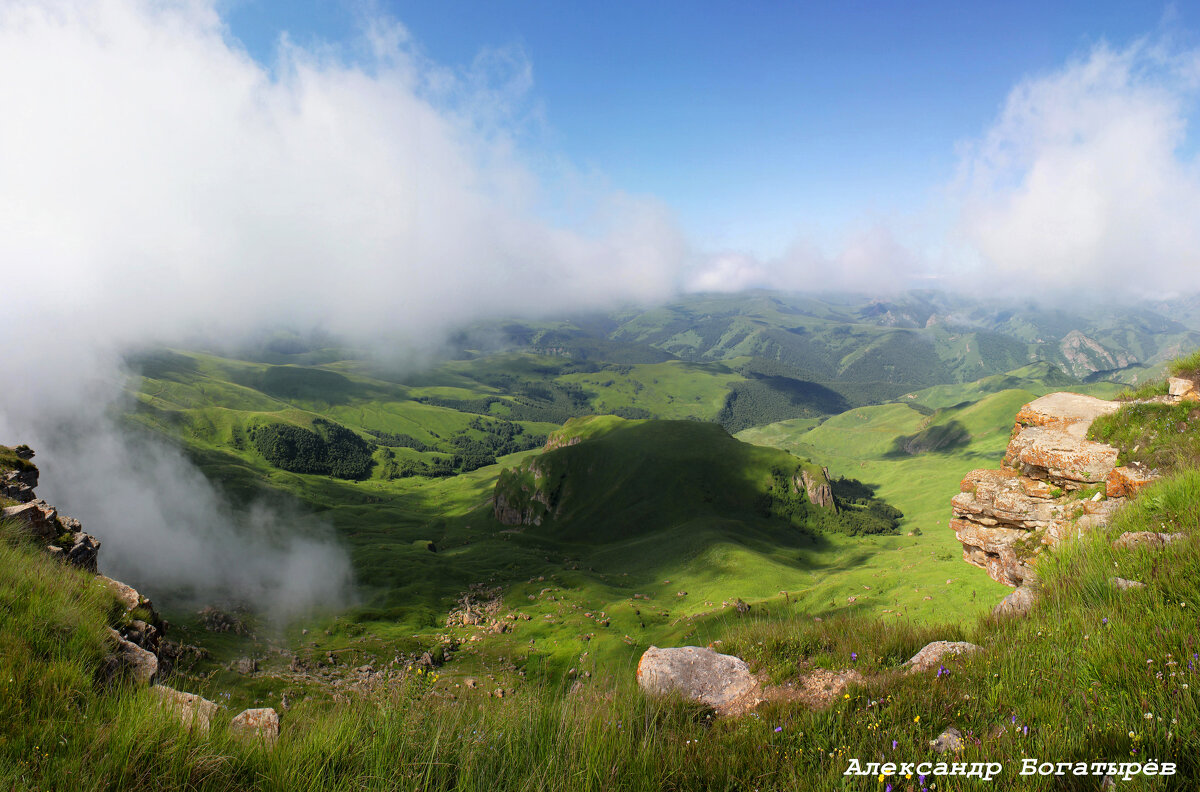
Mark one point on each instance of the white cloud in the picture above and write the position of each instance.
(1084, 182)
(156, 181)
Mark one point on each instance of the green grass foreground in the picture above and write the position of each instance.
(1093, 674)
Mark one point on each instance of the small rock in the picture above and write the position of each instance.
(741, 606)
(1182, 389)
(260, 724)
(949, 740)
(245, 665)
(1146, 539)
(1124, 585)
(471, 682)
(932, 654)
(1018, 603)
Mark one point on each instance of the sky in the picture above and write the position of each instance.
(756, 124)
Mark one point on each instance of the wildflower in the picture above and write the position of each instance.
(894, 744)
(1149, 716)
(889, 788)
(778, 729)
(854, 655)
(917, 719)
(1104, 620)
(1024, 730)
(1131, 734)
(846, 696)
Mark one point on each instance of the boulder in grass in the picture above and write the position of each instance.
(261, 724)
(932, 655)
(131, 659)
(1018, 603)
(194, 712)
(720, 681)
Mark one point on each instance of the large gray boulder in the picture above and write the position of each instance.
(723, 682)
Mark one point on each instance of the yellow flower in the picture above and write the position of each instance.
(917, 719)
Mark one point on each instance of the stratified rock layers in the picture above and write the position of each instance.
(1005, 517)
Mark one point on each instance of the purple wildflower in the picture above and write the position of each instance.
(1024, 730)
(778, 729)
(921, 778)
(889, 788)
(854, 656)
(894, 744)
(1104, 620)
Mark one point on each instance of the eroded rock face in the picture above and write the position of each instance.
(932, 655)
(723, 682)
(1005, 517)
(817, 489)
(261, 724)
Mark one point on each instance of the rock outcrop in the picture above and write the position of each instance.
(723, 682)
(816, 488)
(1005, 517)
(138, 630)
(528, 494)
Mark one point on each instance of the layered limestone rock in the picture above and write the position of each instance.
(1005, 517)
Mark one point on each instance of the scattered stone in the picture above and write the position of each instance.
(723, 682)
(1122, 584)
(1018, 603)
(1146, 539)
(244, 665)
(741, 606)
(194, 712)
(933, 654)
(949, 740)
(471, 682)
(216, 620)
(261, 724)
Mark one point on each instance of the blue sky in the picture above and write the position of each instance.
(755, 123)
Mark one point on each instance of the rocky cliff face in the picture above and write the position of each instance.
(1053, 483)
(138, 631)
(817, 488)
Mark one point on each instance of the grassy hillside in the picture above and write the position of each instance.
(1092, 675)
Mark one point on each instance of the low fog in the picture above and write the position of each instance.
(157, 183)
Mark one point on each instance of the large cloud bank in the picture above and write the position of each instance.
(156, 181)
